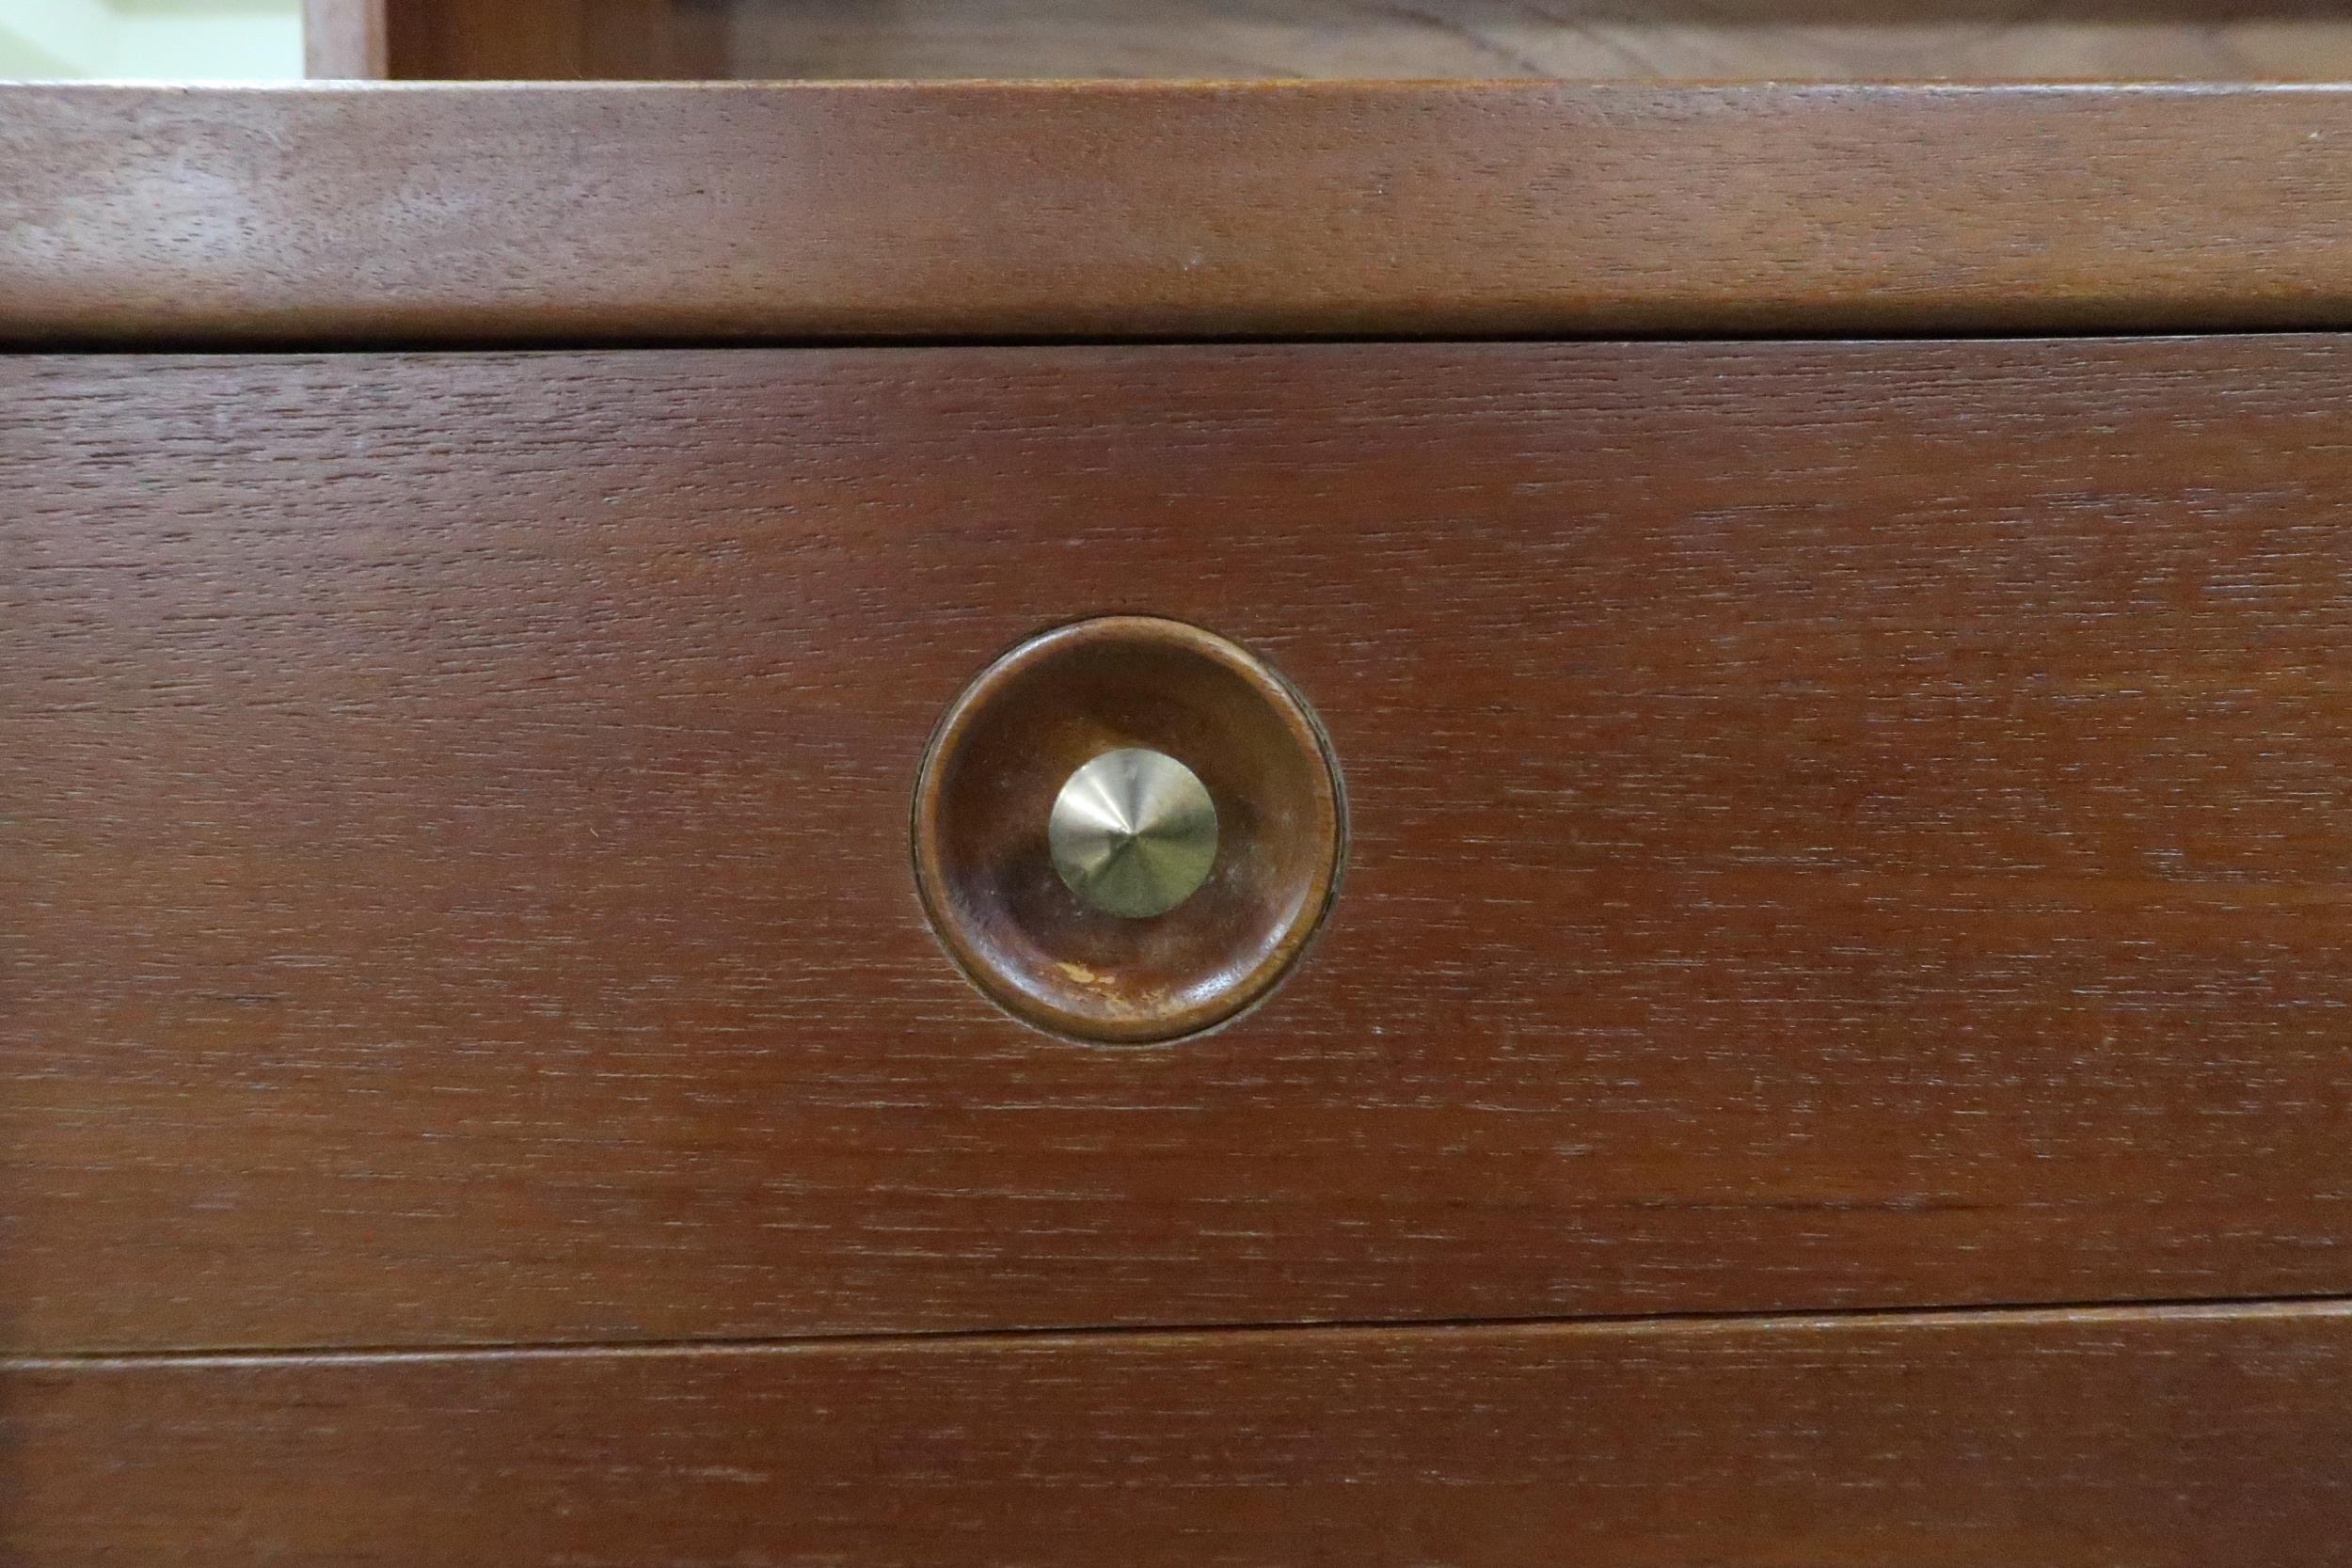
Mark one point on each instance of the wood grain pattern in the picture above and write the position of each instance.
(1833, 825)
(1579, 40)
(635, 215)
(2078, 1440)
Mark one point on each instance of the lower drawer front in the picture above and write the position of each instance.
(1829, 826)
(2056, 1439)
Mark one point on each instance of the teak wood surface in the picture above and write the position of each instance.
(575, 214)
(1832, 826)
(2204, 1439)
(1840, 830)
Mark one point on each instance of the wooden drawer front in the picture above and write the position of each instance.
(1831, 826)
(2185, 1439)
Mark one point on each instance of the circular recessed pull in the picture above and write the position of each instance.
(1126, 829)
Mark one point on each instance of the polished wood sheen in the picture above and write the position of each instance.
(2059, 1440)
(638, 215)
(1833, 825)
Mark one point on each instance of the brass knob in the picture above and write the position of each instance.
(1134, 833)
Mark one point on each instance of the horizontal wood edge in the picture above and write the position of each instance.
(449, 213)
(1199, 1336)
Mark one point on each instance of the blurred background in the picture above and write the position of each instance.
(1609, 40)
(151, 39)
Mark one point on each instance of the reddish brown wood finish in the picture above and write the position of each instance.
(1832, 825)
(522, 40)
(2074, 1440)
(634, 214)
